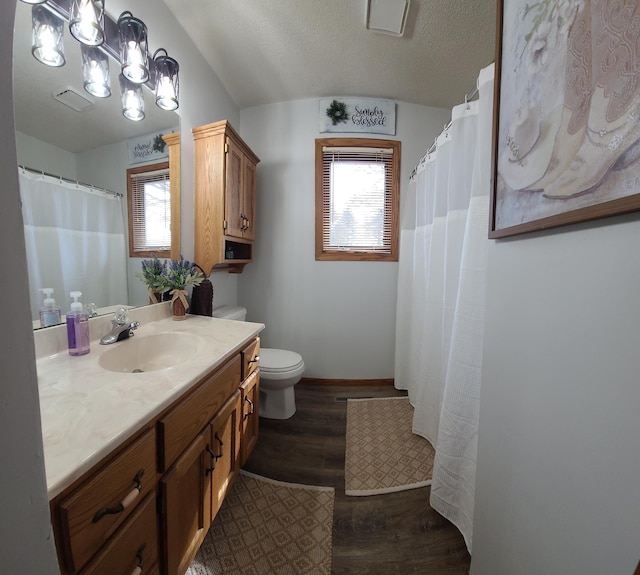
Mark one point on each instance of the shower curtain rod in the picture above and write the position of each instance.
(470, 95)
(70, 181)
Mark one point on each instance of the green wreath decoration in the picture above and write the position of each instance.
(337, 111)
(158, 144)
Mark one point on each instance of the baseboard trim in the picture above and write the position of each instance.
(358, 382)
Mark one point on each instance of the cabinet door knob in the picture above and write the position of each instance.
(140, 558)
(214, 458)
(256, 359)
(221, 447)
(251, 406)
(126, 502)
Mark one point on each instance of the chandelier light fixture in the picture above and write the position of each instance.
(47, 37)
(134, 52)
(95, 71)
(166, 78)
(86, 21)
(100, 38)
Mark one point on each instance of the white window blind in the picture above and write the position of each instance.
(149, 210)
(357, 199)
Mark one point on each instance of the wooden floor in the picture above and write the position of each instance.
(391, 534)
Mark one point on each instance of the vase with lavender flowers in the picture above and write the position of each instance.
(152, 275)
(176, 278)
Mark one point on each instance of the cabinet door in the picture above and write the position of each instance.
(250, 418)
(186, 505)
(224, 451)
(249, 198)
(234, 190)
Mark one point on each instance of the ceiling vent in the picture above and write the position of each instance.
(387, 16)
(71, 97)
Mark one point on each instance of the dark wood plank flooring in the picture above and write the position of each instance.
(391, 534)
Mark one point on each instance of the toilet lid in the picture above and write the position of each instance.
(277, 360)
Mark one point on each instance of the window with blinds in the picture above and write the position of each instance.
(149, 200)
(357, 199)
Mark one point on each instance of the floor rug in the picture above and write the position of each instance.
(266, 527)
(382, 454)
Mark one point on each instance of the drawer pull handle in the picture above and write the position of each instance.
(140, 559)
(128, 500)
(221, 447)
(256, 359)
(214, 458)
(251, 407)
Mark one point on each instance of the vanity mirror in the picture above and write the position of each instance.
(93, 146)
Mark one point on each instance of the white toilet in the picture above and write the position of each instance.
(280, 370)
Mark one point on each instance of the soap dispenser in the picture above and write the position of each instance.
(77, 327)
(50, 313)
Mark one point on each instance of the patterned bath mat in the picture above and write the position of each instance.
(382, 453)
(266, 527)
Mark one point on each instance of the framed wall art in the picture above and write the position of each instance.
(566, 141)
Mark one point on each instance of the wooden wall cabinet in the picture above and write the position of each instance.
(225, 198)
(147, 507)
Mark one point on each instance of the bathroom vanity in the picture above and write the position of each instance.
(138, 464)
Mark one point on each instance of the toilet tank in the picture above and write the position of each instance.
(230, 312)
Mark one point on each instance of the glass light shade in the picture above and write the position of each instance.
(47, 35)
(86, 21)
(95, 71)
(134, 52)
(34, 1)
(166, 78)
(132, 100)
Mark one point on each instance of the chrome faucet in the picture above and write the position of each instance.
(121, 329)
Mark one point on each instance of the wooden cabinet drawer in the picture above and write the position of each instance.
(250, 358)
(177, 429)
(134, 545)
(93, 512)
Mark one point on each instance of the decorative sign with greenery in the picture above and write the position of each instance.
(358, 115)
(147, 148)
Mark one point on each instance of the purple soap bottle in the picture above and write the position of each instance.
(77, 327)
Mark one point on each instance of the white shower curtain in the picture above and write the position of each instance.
(75, 242)
(441, 295)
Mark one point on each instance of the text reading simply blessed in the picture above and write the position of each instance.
(368, 117)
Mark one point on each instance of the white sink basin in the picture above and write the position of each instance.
(151, 352)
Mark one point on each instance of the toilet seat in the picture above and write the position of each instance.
(278, 361)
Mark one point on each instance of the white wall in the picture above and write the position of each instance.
(558, 477)
(340, 316)
(26, 542)
(39, 155)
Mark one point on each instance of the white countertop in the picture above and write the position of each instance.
(87, 411)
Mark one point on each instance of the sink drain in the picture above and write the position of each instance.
(138, 371)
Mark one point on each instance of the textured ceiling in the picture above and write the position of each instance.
(268, 51)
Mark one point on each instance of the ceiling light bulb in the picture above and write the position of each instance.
(132, 100)
(166, 78)
(134, 53)
(86, 21)
(47, 37)
(95, 71)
